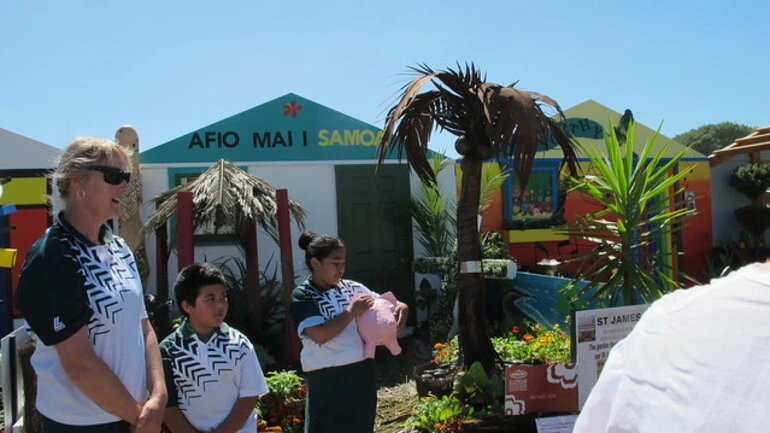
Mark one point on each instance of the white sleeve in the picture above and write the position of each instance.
(594, 417)
(252, 381)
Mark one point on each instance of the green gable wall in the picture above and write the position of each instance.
(289, 128)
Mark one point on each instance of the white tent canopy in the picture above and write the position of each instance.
(20, 152)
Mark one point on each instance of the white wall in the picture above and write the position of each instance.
(725, 199)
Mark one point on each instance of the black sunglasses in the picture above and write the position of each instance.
(112, 175)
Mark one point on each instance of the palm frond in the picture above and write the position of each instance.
(493, 120)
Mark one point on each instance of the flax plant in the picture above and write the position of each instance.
(639, 210)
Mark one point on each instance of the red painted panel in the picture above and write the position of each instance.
(30, 224)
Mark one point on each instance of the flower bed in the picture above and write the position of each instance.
(521, 345)
(473, 401)
(283, 408)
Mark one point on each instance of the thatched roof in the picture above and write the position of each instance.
(225, 196)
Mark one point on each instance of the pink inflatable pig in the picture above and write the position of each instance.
(378, 326)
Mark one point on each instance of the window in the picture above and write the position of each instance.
(538, 205)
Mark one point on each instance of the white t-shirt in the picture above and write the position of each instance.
(205, 379)
(697, 361)
(311, 307)
(68, 282)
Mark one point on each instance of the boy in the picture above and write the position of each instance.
(212, 372)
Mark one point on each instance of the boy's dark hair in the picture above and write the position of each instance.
(318, 246)
(192, 278)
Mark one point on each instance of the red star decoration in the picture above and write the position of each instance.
(291, 109)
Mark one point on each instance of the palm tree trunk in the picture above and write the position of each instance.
(474, 337)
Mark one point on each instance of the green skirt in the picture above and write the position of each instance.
(342, 399)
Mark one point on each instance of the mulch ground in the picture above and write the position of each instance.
(397, 394)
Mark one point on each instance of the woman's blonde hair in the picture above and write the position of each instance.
(82, 152)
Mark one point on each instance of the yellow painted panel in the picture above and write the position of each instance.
(25, 190)
(7, 257)
(534, 235)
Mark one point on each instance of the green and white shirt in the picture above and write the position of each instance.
(310, 307)
(205, 379)
(68, 282)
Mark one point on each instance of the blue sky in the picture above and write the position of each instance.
(169, 67)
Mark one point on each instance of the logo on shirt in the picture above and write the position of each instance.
(57, 325)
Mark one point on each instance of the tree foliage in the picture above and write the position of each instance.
(713, 136)
(752, 180)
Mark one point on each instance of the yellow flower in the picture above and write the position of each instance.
(556, 326)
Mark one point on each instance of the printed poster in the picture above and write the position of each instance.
(597, 332)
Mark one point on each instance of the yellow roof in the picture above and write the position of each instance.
(587, 133)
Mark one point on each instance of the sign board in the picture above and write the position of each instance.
(597, 332)
(556, 424)
(540, 388)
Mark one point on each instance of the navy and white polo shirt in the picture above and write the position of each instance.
(205, 379)
(68, 282)
(310, 307)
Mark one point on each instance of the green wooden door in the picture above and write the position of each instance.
(374, 222)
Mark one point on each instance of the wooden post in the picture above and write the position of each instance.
(253, 295)
(184, 229)
(287, 274)
(161, 315)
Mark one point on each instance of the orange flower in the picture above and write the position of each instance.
(296, 420)
(276, 428)
(527, 337)
(439, 346)
(438, 426)
(516, 329)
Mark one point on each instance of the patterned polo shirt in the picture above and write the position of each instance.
(68, 282)
(310, 307)
(205, 379)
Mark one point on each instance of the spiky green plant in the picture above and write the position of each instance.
(635, 193)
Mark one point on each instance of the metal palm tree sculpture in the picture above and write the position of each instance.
(490, 121)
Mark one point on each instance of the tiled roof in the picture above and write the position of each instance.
(757, 141)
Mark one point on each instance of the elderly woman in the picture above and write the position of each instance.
(97, 358)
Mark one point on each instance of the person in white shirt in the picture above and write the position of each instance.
(696, 362)
(97, 361)
(212, 372)
(341, 381)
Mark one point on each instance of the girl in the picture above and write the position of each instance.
(342, 385)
